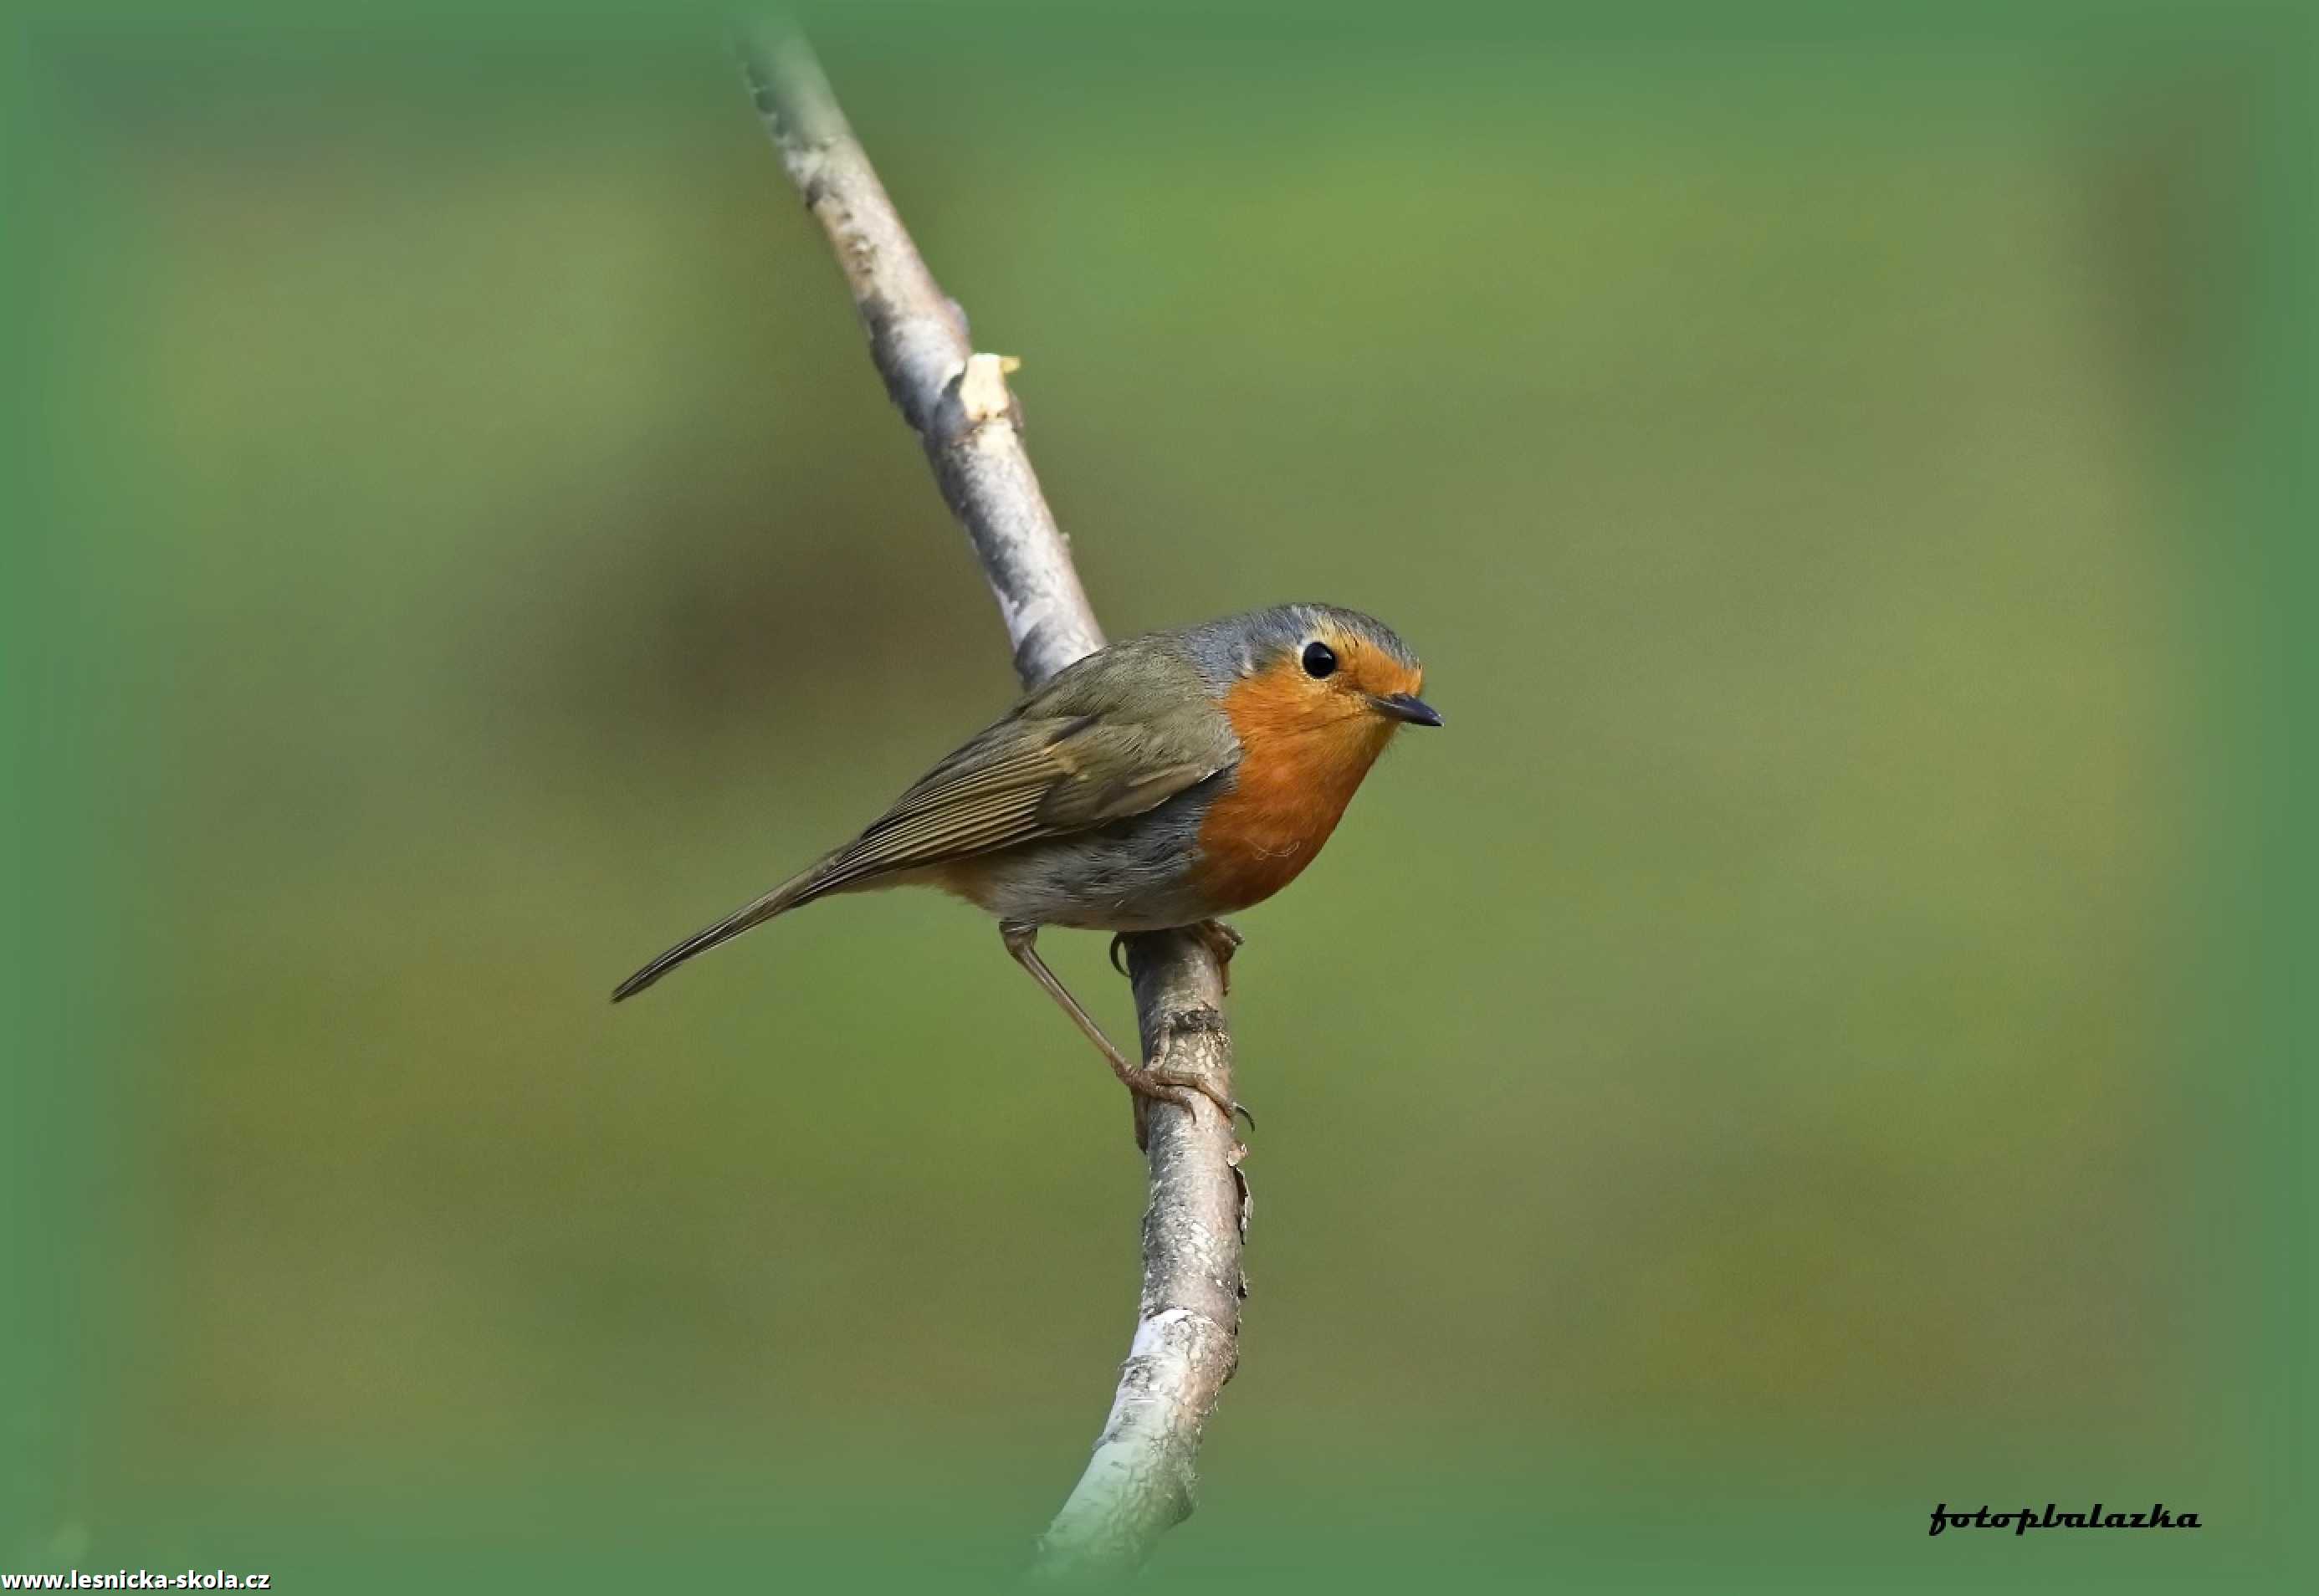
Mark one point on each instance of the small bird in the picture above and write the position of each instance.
(1162, 781)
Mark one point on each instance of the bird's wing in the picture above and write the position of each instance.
(1033, 776)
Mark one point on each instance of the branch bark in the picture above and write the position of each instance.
(1140, 1479)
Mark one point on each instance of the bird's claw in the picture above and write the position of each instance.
(1219, 938)
(1165, 1086)
(1181, 1096)
(1152, 1084)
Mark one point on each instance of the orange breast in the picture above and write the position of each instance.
(1301, 762)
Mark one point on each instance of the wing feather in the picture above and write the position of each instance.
(1030, 777)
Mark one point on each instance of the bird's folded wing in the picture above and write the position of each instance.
(1027, 779)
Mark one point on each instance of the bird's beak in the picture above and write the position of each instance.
(1406, 706)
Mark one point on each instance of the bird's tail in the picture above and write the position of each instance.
(798, 890)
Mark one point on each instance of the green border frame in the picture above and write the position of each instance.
(2258, 657)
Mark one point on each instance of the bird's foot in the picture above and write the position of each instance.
(1167, 1086)
(1216, 935)
(1153, 1084)
(1185, 1092)
(1223, 941)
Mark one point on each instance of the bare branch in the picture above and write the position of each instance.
(1141, 1478)
(956, 401)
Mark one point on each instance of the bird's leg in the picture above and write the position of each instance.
(1147, 1082)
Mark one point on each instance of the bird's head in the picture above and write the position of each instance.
(1334, 679)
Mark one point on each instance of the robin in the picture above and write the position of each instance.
(1163, 782)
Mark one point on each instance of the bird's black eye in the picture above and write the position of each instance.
(1320, 660)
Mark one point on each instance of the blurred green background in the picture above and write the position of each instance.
(1769, 1066)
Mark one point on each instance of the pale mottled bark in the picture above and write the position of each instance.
(1140, 1479)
